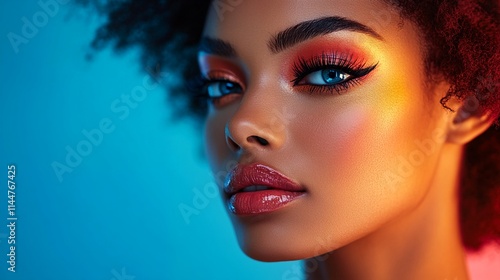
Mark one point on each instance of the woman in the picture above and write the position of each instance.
(357, 135)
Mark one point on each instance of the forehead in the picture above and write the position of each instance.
(249, 25)
(260, 19)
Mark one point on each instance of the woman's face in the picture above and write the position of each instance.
(330, 94)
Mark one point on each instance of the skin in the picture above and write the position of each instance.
(379, 161)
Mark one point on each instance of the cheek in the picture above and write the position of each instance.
(345, 159)
(352, 153)
(365, 136)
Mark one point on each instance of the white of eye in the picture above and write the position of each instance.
(326, 77)
(221, 88)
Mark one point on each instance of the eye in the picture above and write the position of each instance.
(325, 77)
(220, 88)
(329, 72)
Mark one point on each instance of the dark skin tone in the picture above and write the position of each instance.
(364, 133)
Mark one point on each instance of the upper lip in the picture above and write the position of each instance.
(256, 174)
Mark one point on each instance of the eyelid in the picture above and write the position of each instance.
(328, 60)
(222, 75)
(301, 82)
(355, 66)
(218, 76)
(214, 66)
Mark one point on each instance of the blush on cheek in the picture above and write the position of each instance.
(344, 153)
(348, 132)
(336, 151)
(358, 151)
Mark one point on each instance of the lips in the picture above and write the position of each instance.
(258, 189)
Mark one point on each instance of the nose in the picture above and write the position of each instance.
(253, 126)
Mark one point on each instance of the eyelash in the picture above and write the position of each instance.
(355, 68)
(198, 87)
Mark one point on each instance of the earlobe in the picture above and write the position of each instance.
(468, 122)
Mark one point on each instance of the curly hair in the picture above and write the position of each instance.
(461, 39)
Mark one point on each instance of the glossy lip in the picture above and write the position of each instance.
(282, 189)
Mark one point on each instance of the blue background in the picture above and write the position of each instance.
(116, 214)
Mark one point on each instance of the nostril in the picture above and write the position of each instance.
(260, 140)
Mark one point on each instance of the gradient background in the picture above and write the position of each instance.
(119, 208)
(116, 215)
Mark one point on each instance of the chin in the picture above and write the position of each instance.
(275, 247)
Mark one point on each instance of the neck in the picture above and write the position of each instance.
(423, 244)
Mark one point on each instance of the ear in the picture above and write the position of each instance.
(467, 122)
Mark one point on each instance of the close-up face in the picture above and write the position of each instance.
(320, 116)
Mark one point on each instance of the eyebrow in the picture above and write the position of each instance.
(216, 47)
(291, 36)
(316, 27)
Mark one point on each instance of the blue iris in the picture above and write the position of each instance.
(331, 76)
(221, 88)
(326, 77)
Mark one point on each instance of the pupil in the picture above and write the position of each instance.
(226, 87)
(332, 76)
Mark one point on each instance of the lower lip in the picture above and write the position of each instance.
(260, 202)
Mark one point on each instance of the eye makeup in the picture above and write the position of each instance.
(329, 71)
(221, 88)
(326, 66)
(319, 66)
(221, 81)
